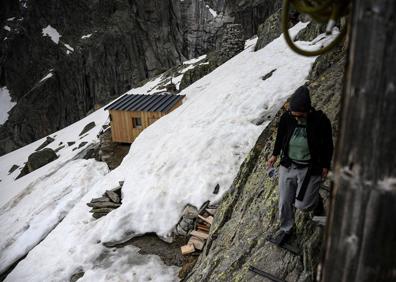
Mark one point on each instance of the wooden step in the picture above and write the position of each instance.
(196, 242)
(200, 234)
(208, 219)
(187, 249)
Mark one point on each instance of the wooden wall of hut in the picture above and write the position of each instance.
(122, 124)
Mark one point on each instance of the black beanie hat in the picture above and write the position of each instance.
(300, 100)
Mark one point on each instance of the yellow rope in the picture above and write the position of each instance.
(324, 11)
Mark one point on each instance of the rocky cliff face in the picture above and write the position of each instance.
(98, 50)
(104, 48)
(249, 211)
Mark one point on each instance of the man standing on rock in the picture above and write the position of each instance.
(304, 140)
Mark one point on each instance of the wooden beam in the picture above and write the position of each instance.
(361, 238)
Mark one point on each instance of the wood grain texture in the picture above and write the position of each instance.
(122, 129)
(361, 236)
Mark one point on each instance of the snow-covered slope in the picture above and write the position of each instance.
(177, 160)
(5, 104)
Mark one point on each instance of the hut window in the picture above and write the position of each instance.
(137, 122)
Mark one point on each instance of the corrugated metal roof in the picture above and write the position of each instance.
(145, 103)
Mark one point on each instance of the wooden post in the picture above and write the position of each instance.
(361, 236)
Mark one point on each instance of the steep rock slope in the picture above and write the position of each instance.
(249, 211)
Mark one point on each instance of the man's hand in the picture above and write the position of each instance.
(325, 171)
(271, 161)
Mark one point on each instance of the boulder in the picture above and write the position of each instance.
(41, 158)
(271, 29)
(13, 168)
(190, 212)
(87, 128)
(232, 42)
(46, 142)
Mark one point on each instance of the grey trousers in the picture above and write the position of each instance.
(290, 181)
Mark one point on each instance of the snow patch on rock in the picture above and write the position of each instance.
(6, 104)
(51, 33)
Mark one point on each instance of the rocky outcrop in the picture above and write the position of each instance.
(101, 49)
(249, 211)
(271, 29)
(105, 48)
(231, 42)
(251, 13)
(109, 201)
(37, 160)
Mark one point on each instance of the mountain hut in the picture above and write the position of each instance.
(132, 113)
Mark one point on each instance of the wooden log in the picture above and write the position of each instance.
(208, 219)
(200, 234)
(196, 242)
(203, 227)
(361, 234)
(187, 249)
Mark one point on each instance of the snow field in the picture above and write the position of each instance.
(36, 211)
(177, 160)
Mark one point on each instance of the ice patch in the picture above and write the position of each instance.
(195, 60)
(5, 104)
(69, 48)
(86, 36)
(11, 19)
(6, 27)
(52, 33)
(213, 12)
(49, 75)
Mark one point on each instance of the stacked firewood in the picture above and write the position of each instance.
(200, 234)
(109, 201)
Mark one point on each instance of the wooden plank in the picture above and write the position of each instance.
(211, 211)
(200, 234)
(187, 249)
(208, 219)
(196, 242)
(204, 226)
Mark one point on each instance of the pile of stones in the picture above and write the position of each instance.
(109, 201)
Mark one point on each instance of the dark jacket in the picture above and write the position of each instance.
(319, 135)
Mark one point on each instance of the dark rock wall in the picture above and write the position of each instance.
(131, 41)
(249, 211)
(251, 13)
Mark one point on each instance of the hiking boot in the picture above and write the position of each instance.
(279, 238)
(319, 209)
